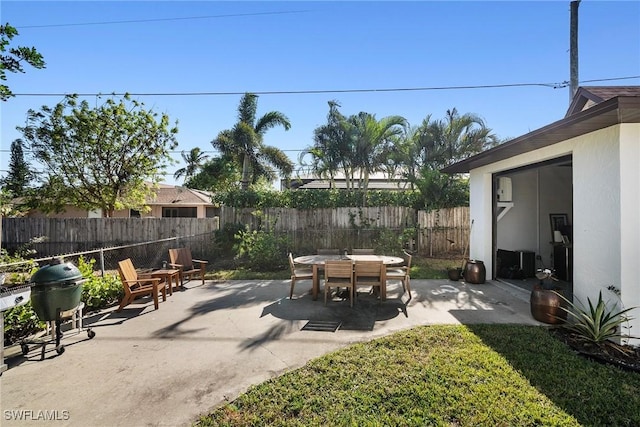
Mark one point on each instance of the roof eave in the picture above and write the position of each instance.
(608, 113)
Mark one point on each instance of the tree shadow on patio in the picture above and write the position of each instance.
(336, 315)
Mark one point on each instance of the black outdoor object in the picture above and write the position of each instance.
(55, 288)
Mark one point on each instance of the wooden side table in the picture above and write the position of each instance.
(170, 276)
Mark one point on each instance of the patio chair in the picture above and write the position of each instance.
(402, 273)
(338, 274)
(370, 273)
(363, 252)
(298, 273)
(180, 258)
(135, 285)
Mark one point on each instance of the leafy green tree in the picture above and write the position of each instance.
(218, 174)
(439, 190)
(14, 58)
(456, 137)
(331, 152)
(193, 162)
(439, 143)
(358, 146)
(372, 142)
(20, 175)
(109, 157)
(245, 143)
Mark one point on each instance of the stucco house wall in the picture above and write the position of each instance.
(481, 202)
(605, 214)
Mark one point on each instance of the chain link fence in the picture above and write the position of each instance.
(143, 255)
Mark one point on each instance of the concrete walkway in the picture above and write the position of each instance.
(209, 343)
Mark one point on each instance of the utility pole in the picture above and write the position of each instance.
(573, 49)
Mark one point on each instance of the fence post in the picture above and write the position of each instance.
(101, 262)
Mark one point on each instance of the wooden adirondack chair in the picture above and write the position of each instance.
(135, 286)
(181, 259)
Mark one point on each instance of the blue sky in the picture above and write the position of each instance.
(159, 47)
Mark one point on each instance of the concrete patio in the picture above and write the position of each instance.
(209, 343)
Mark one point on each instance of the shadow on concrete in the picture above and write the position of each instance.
(223, 296)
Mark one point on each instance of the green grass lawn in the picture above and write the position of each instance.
(452, 375)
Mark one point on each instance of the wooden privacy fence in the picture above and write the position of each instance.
(68, 235)
(287, 219)
(439, 232)
(444, 231)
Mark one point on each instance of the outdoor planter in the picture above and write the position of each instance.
(475, 272)
(454, 274)
(546, 305)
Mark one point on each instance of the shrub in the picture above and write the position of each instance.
(316, 199)
(98, 292)
(391, 243)
(225, 239)
(20, 322)
(263, 249)
(598, 323)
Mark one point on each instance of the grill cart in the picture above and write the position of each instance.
(56, 289)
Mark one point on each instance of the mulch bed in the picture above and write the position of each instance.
(623, 356)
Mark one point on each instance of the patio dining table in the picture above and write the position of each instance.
(317, 263)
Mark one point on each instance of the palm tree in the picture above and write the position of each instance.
(193, 163)
(456, 137)
(373, 141)
(244, 143)
(358, 144)
(441, 143)
(332, 149)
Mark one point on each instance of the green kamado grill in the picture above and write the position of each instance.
(55, 289)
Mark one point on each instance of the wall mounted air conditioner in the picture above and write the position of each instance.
(504, 189)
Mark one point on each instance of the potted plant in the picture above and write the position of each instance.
(547, 303)
(454, 273)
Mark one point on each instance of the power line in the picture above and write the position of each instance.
(319, 91)
(135, 21)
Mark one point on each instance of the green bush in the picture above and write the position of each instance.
(225, 239)
(389, 242)
(264, 250)
(317, 199)
(20, 322)
(98, 292)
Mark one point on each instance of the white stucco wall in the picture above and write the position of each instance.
(480, 209)
(480, 201)
(596, 228)
(606, 211)
(630, 221)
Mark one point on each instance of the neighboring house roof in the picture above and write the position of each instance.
(592, 108)
(376, 182)
(171, 195)
(317, 184)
